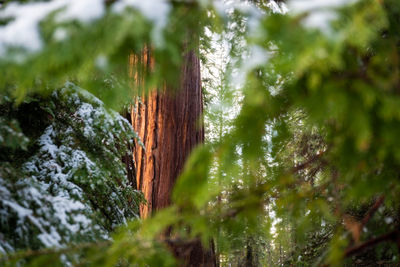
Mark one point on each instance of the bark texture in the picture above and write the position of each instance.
(168, 123)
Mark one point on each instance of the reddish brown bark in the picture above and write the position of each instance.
(167, 121)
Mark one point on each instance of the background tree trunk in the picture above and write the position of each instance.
(169, 124)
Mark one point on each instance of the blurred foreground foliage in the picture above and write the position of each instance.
(306, 173)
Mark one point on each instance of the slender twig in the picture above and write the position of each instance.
(372, 210)
(391, 236)
(307, 163)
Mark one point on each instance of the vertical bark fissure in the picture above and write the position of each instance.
(143, 117)
(155, 153)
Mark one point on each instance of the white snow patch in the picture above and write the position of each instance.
(46, 142)
(21, 211)
(23, 30)
(82, 10)
(51, 239)
(84, 93)
(64, 207)
(277, 8)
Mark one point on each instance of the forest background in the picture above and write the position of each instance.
(300, 166)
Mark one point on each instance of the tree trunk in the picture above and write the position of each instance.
(168, 123)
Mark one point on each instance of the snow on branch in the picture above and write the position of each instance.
(23, 29)
(321, 13)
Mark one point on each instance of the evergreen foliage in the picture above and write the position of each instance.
(62, 179)
(303, 170)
